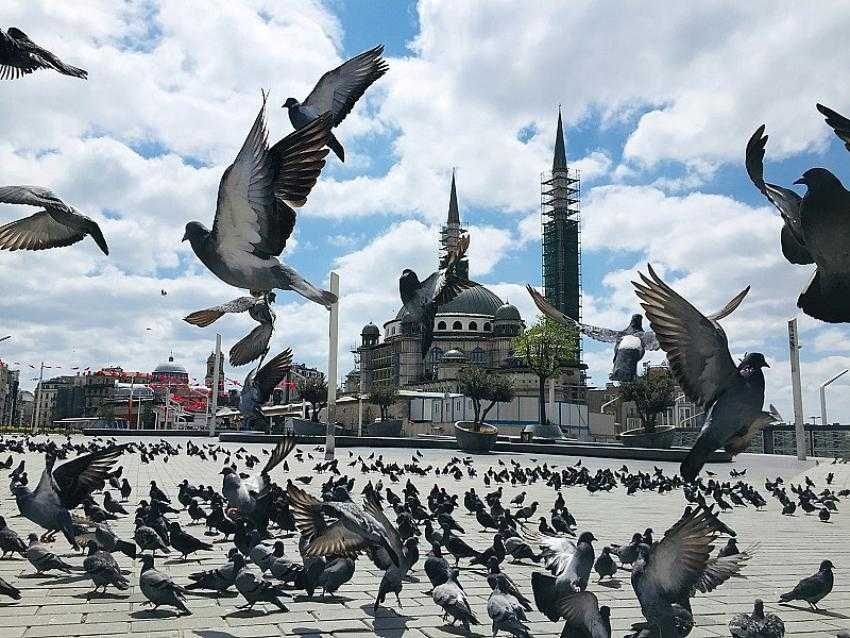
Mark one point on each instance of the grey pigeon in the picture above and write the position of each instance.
(814, 588)
(63, 489)
(256, 343)
(6, 589)
(698, 353)
(184, 542)
(255, 589)
(505, 611)
(241, 494)
(21, 56)
(630, 343)
(108, 541)
(421, 299)
(103, 569)
(252, 218)
(454, 601)
(221, 578)
(147, 538)
(44, 560)
(571, 564)
(757, 624)
(56, 225)
(583, 616)
(335, 574)
(337, 91)
(816, 227)
(159, 589)
(407, 551)
(257, 390)
(605, 565)
(10, 541)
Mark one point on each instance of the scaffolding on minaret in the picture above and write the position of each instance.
(451, 232)
(560, 198)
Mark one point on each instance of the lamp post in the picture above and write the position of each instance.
(214, 389)
(333, 355)
(823, 419)
(796, 387)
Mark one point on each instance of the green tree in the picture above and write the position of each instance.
(314, 390)
(545, 348)
(501, 391)
(383, 396)
(652, 393)
(480, 385)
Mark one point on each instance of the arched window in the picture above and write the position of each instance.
(457, 325)
(487, 327)
(478, 357)
(441, 325)
(473, 325)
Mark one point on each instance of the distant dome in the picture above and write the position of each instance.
(507, 312)
(453, 355)
(370, 330)
(170, 368)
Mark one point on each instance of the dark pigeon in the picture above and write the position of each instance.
(583, 616)
(814, 588)
(257, 390)
(103, 569)
(21, 56)
(757, 624)
(160, 589)
(6, 589)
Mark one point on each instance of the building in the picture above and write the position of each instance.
(25, 408)
(170, 373)
(209, 376)
(9, 380)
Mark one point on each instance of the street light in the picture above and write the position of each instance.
(823, 420)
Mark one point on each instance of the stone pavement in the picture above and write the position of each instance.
(791, 548)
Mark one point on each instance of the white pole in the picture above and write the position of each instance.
(794, 350)
(359, 414)
(333, 355)
(35, 412)
(214, 389)
(823, 419)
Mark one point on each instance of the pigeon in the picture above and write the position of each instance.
(571, 564)
(221, 578)
(183, 542)
(335, 574)
(21, 56)
(256, 590)
(108, 541)
(103, 569)
(583, 616)
(816, 227)
(146, 537)
(43, 559)
(757, 624)
(421, 299)
(241, 493)
(10, 541)
(6, 589)
(256, 343)
(159, 589)
(605, 565)
(253, 220)
(698, 353)
(814, 588)
(436, 567)
(454, 601)
(505, 611)
(111, 505)
(55, 226)
(257, 390)
(337, 91)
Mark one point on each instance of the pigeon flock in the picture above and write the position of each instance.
(282, 540)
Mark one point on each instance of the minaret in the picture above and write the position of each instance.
(451, 232)
(560, 197)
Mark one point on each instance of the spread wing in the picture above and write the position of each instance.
(31, 196)
(449, 285)
(77, 478)
(252, 346)
(599, 334)
(785, 200)
(324, 539)
(203, 318)
(374, 508)
(280, 452)
(272, 373)
(38, 232)
(718, 570)
(339, 89)
(696, 347)
(730, 307)
(840, 124)
(12, 50)
(580, 612)
(299, 158)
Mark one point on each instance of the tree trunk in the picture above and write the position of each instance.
(476, 411)
(487, 410)
(542, 385)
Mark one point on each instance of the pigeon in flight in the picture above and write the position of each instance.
(584, 616)
(253, 220)
(698, 352)
(256, 343)
(337, 91)
(56, 225)
(421, 299)
(21, 56)
(259, 384)
(241, 494)
(631, 343)
(816, 227)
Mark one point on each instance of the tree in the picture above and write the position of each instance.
(501, 391)
(314, 390)
(383, 396)
(480, 385)
(106, 411)
(545, 348)
(652, 394)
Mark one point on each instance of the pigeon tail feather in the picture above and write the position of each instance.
(336, 147)
(827, 297)
(697, 457)
(294, 281)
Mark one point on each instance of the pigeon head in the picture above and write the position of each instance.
(408, 284)
(818, 178)
(290, 102)
(826, 566)
(754, 360)
(586, 537)
(636, 323)
(226, 470)
(194, 232)
(758, 608)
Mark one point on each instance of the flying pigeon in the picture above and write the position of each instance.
(571, 564)
(698, 352)
(421, 299)
(252, 219)
(238, 491)
(259, 384)
(631, 343)
(816, 227)
(55, 226)
(21, 56)
(584, 616)
(256, 343)
(337, 91)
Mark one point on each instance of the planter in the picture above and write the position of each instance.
(546, 432)
(305, 427)
(661, 438)
(390, 427)
(480, 442)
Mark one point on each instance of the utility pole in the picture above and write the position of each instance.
(333, 355)
(799, 426)
(35, 412)
(823, 419)
(214, 389)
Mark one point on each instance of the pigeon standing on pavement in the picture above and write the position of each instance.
(10, 541)
(103, 569)
(255, 589)
(814, 588)
(159, 589)
(698, 352)
(21, 56)
(337, 91)
(757, 624)
(56, 225)
(253, 220)
(505, 611)
(43, 559)
(454, 602)
(816, 227)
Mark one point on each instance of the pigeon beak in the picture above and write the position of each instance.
(766, 364)
(802, 180)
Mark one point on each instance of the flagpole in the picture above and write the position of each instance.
(333, 355)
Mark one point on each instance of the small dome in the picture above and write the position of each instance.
(507, 312)
(170, 368)
(370, 330)
(453, 355)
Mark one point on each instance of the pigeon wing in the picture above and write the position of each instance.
(38, 232)
(11, 49)
(298, 159)
(272, 373)
(696, 347)
(718, 570)
(339, 89)
(251, 346)
(280, 452)
(31, 196)
(599, 334)
(730, 307)
(839, 124)
(203, 318)
(325, 539)
(374, 508)
(580, 612)
(77, 478)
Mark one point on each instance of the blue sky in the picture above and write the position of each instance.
(657, 115)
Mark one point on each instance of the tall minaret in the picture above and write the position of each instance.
(450, 233)
(560, 197)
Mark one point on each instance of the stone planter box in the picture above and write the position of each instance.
(661, 438)
(481, 442)
(390, 427)
(305, 427)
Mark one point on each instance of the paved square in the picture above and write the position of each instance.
(791, 548)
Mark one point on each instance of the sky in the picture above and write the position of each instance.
(658, 102)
